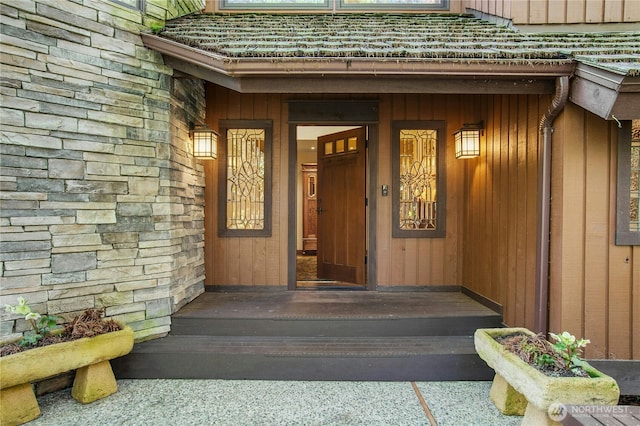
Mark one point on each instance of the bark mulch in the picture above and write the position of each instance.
(88, 324)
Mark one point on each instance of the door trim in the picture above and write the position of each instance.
(346, 113)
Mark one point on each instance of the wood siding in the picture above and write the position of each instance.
(420, 261)
(560, 11)
(241, 260)
(490, 242)
(499, 194)
(595, 285)
(400, 261)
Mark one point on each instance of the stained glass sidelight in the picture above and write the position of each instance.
(634, 181)
(245, 179)
(418, 173)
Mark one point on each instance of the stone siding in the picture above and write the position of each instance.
(102, 201)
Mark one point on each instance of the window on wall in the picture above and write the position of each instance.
(394, 4)
(335, 4)
(245, 178)
(275, 4)
(418, 156)
(628, 208)
(132, 4)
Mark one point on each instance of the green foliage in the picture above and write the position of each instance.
(563, 355)
(544, 360)
(569, 348)
(156, 28)
(41, 325)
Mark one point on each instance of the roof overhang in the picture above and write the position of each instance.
(362, 75)
(607, 94)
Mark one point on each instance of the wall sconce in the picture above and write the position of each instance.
(468, 140)
(205, 142)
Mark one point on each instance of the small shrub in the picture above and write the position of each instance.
(41, 325)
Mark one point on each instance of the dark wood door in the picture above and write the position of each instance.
(341, 206)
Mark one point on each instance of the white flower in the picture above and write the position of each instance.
(21, 308)
(32, 316)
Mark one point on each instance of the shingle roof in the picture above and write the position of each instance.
(445, 38)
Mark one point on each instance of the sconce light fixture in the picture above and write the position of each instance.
(468, 140)
(205, 142)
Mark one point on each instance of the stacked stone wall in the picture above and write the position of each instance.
(101, 200)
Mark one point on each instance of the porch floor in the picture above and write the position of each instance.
(332, 305)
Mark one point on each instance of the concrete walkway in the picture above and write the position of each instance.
(232, 402)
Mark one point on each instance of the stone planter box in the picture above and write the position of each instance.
(519, 388)
(89, 356)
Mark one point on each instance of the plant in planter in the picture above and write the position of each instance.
(542, 375)
(561, 358)
(40, 324)
(85, 345)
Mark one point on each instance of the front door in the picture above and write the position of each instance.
(341, 206)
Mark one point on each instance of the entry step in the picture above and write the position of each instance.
(305, 358)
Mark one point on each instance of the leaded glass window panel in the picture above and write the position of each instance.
(418, 179)
(245, 178)
(275, 4)
(418, 174)
(628, 185)
(634, 179)
(132, 4)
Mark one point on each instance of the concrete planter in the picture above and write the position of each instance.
(519, 388)
(89, 356)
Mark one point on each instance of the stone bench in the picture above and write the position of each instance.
(88, 356)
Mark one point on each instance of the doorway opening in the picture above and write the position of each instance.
(331, 237)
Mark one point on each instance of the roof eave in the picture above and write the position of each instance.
(343, 66)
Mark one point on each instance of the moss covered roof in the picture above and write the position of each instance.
(455, 38)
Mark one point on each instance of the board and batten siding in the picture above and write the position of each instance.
(263, 261)
(499, 199)
(420, 261)
(595, 285)
(524, 12)
(242, 261)
(490, 243)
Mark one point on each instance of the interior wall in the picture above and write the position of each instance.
(303, 157)
(595, 285)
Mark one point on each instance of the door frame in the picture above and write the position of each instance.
(334, 113)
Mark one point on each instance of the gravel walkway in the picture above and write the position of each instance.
(231, 402)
